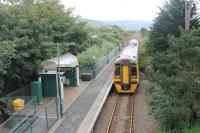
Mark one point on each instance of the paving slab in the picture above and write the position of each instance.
(75, 114)
(70, 95)
(91, 117)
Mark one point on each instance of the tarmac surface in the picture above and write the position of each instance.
(75, 114)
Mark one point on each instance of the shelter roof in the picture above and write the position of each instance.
(66, 60)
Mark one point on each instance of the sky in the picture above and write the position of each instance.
(115, 9)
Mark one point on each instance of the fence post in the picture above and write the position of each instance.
(108, 58)
(46, 117)
(93, 70)
(35, 104)
(31, 127)
(20, 116)
(56, 102)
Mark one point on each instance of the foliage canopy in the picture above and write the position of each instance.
(24, 27)
(175, 61)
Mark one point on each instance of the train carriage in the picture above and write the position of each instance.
(126, 69)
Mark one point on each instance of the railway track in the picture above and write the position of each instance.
(121, 120)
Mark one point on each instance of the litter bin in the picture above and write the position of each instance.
(36, 90)
(18, 104)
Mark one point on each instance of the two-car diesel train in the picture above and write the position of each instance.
(126, 69)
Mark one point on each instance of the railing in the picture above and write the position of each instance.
(106, 59)
(18, 119)
(46, 117)
(95, 69)
(24, 91)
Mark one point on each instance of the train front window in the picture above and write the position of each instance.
(117, 71)
(133, 71)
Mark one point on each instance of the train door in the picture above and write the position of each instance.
(125, 74)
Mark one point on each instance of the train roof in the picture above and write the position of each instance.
(130, 52)
(133, 41)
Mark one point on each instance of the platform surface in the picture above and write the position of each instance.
(75, 114)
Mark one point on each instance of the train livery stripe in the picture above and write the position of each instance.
(125, 73)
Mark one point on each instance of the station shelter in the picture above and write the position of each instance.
(69, 74)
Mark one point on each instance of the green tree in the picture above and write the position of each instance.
(171, 18)
(24, 27)
(172, 52)
(143, 31)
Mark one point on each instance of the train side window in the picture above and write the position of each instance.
(133, 71)
(117, 71)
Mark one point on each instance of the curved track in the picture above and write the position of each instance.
(121, 119)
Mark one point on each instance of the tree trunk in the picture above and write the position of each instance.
(188, 8)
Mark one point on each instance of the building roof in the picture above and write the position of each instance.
(66, 60)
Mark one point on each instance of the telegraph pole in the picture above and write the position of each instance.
(188, 8)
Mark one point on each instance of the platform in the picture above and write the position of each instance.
(76, 112)
(89, 121)
(70, 94)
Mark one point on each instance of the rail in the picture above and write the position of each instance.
(122, 112)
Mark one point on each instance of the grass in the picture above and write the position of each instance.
(195, 129)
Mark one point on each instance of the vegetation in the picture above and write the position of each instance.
(94, 53)
(106, 39)
(174, 59)
(29, 32)
(114, 34)
(143, 55)
(124, 24)
(194, 129)
(24, 27)
(94, 23)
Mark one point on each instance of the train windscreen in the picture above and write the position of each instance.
(133, 70)
(117, 71)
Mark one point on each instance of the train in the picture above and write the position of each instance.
(126, 69)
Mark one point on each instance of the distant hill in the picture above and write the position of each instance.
(125, 24)
(94, 23)
(131, 24)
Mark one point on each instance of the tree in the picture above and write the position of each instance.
(173, 63)
(171, 18)
(188, 9)
(143, 31)
(24, 26)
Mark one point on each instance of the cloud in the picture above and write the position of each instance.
(115, 9)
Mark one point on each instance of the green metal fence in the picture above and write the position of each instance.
(107, 59)
(17, 120)
(95, 69)
(46, 117)
(29, 119)
(24, 91)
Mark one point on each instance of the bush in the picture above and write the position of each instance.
(94, 53)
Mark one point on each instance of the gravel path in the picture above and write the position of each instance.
(143, 122)
(78, 110)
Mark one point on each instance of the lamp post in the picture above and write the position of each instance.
(58, 74)
(58, 88)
